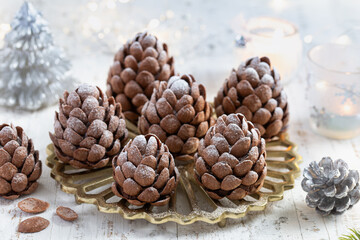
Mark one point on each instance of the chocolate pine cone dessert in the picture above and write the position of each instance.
(20, 167)
(145, 172)
(178, 114)
(231, 159)
(255, 90)
(138, 67)
(89, 128)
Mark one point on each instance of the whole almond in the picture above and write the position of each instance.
(33, 205)
(33, 224)
(66, 213)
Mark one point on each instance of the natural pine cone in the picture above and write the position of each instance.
(231, 158)
(178, 114)
(145, 172)
(20, 167)
(89, 128)
(331, 186)
(255, 91)
(138, 67)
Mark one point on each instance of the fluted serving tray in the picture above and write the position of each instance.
(94, 187)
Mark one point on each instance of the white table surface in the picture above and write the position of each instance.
(204, 47)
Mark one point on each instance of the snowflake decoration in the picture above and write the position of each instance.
(349, 92)
(320, 116)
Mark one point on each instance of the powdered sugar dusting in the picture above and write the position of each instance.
(151, 148)
(180, 88)
(89, 104)
(7, 134)
(144, 170)
(96, 128)
(211, 150)
(73, 99)
(140, 142)
(216, 139)
(98, 124)
(18, 178)
(172, 80)
(86, 90)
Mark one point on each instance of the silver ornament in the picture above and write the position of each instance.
(331, 186)
(33, 72)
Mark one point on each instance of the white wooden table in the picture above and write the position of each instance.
(286, 219)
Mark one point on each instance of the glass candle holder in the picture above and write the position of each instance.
(275, 38)
(334, 91)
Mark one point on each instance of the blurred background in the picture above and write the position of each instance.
(200, 34)
(209, 38)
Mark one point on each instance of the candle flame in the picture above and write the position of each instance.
(347, 107)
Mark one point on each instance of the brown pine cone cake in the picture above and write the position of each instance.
(145, 172)
(178, 114)
(231, 159)
(138, 67)
(255, 90)
(89, 128)
(20, 167)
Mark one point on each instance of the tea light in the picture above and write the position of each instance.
(334, 95)
(275, 38)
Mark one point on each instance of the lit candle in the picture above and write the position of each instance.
(334, 95)
(275, 38)
(348, 108)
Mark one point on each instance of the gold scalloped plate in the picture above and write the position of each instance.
(93, 186)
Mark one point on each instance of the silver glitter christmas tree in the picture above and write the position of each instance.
(33, 72)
